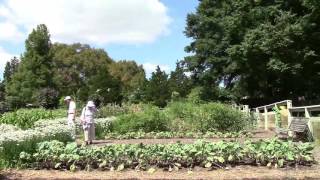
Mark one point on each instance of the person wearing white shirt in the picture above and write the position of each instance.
(87, 120)
(71, 110)
(71, 115)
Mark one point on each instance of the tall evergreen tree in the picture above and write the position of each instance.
(10, 68)
(157, 88)
(35, 70)
(179, 82)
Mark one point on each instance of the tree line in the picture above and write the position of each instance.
(246, 51)
(48, 71)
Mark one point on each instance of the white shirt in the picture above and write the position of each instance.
(87, 115)
(72, 107)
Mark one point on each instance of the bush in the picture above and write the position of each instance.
(112, 110)
(25, 118)
(151, 119)
(14, 141)
(102, 125)
(48, 98)
(187, 116)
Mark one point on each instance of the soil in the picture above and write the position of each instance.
(238, 172)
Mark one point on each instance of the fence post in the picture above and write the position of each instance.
(289, 105)
(265, 118)
(306, 113)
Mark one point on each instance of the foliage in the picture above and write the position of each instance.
(56, 155)
(10, 68)
(8, 127)
(102, 125)
(186, 116)
(34, 71)
(179, 82)
(83, 71)
(150, 119)
(130, 74)
(195, 95)
(157, 88)
(13, 141)
(173, 134)
(48, 98)
(256, 48)
(112, 110)
(25, 118)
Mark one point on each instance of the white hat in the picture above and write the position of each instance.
(67, 98)
(90, 104)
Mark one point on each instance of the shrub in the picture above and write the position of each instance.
(187, 116)
(102, 125)
(48, 98)
(151, 119)
(8, 127)
(16, 141)
(112, 110)
(25, 118)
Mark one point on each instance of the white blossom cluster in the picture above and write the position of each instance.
(8, 128)
(101, 122)
(15, 140)
(12, 137)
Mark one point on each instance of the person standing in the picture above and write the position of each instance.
(87, 120)
(71, 111)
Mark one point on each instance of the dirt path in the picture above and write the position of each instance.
(240, 172)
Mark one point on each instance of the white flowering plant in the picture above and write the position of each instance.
(16, 140)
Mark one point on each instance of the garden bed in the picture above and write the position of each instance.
(270, 153)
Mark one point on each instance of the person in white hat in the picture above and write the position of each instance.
(87, 120)
(71, 110)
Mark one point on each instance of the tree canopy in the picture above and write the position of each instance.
(259, 49)
(35, 69)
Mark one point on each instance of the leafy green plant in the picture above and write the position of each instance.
(169, 134)
(151, 119)
(272, 152)
(186, 116)
(14, 141)
(25, 118)
(112, 110)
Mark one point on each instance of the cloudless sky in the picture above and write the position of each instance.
(164, 51)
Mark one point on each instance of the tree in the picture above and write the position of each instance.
(179, 82)
(82, 71)
(10, 68)
(35, 70)
(157, 88)
(130, 75)
(260, 49)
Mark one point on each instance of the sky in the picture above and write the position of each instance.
(147, 31)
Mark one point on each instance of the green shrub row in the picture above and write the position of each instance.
(56, 155)
(25, 118)
(182, 117)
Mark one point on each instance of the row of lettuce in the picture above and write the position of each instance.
(271, 153)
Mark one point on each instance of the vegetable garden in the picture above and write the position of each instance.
(223, 138)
